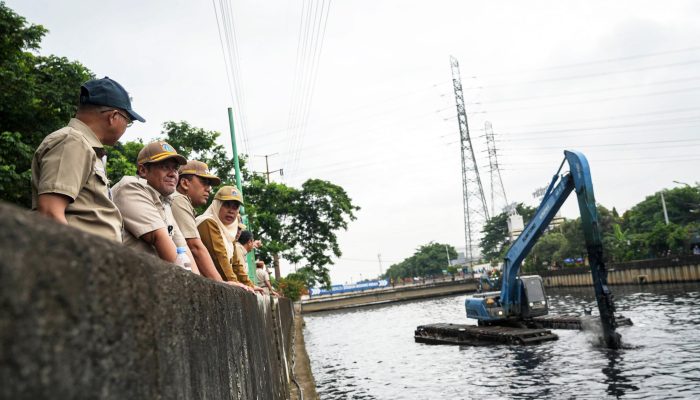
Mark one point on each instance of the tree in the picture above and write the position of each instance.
(546, 252)
(428, 260)
(495, 239)
(682, 205)
(38, 95)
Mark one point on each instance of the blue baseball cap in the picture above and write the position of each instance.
(107, 92)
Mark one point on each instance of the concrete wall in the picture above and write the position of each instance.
(680, 269)
(81, 317)
(379, 296)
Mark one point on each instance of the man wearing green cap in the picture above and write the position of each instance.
(69, 179)
(145, 203)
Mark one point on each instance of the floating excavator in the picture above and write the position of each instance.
(517, 313)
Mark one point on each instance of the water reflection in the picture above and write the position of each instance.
(617, 382)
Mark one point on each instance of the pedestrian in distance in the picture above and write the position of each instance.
(69, 178)
(244, 245)
(263, 278)
(145, 203)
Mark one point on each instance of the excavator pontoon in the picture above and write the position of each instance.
(518, 313)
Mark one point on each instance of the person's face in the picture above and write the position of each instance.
(228, 213)
(249, 246)
(198, 190)
(162, 176)
(117, 121)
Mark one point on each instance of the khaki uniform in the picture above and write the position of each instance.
(72, 162)
(213, 240)
(144, 210)
(262, 276)
(239, 264)
(184, 214)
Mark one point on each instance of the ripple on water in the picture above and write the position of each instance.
(369, 353)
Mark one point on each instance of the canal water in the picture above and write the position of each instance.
(369, 353)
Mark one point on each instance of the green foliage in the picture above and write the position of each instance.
(495, 242)
(199, 144)
(38, 95)
(429, 259)
(682, 205)
(15, 163)
(296, 284)
(545, 253)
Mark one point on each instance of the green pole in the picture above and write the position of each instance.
(250, 257)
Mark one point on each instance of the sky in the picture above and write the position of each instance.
(360, 93)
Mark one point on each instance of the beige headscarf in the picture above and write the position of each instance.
(229, 231)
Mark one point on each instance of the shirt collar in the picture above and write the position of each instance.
(154, 193)
(89, 135)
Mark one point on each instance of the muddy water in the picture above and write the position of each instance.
(369, 353)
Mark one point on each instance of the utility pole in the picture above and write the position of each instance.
(379, 257)
(250, 258)
(267, 167)
(476, 212)
(663, 204)
(447, 253)
(497, 188)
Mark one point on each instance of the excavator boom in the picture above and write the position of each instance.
(515, 301)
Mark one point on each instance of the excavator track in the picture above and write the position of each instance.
(571, 321)
(471, 335)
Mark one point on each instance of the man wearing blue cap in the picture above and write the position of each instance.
(69, 179)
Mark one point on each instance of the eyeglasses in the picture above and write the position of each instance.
(128, 120)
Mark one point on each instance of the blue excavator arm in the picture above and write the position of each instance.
(513, 304)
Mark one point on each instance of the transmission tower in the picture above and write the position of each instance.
(497, 188)
(476, 212)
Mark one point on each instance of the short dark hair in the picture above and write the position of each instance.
(246, 237)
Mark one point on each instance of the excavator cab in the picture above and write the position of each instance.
(533, 301)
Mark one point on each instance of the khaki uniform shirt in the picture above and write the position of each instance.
(240, 265)
(72, 162)
(184, 214)
(144, 210)
(262, 276)
(213, 240)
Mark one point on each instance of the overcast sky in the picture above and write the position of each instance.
(618, 81)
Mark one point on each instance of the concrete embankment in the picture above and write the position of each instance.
(379, 296)
(664, 270)
(81, 317)
(667, 270)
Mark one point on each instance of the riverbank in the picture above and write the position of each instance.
(302, 365)
(666, 270)
(388, 295)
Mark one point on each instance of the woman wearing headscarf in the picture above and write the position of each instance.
(218, 226)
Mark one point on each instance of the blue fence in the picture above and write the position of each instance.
(357, 287)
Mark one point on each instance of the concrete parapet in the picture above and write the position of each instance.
(82, 317)
(388, 295)
(666, 270)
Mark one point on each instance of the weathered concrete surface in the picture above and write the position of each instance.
(302, 365)
(81, 317)
(380, 296)
(663, 270)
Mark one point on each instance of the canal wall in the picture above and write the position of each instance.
(82, 317)
(665, 270)
(389, 295)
